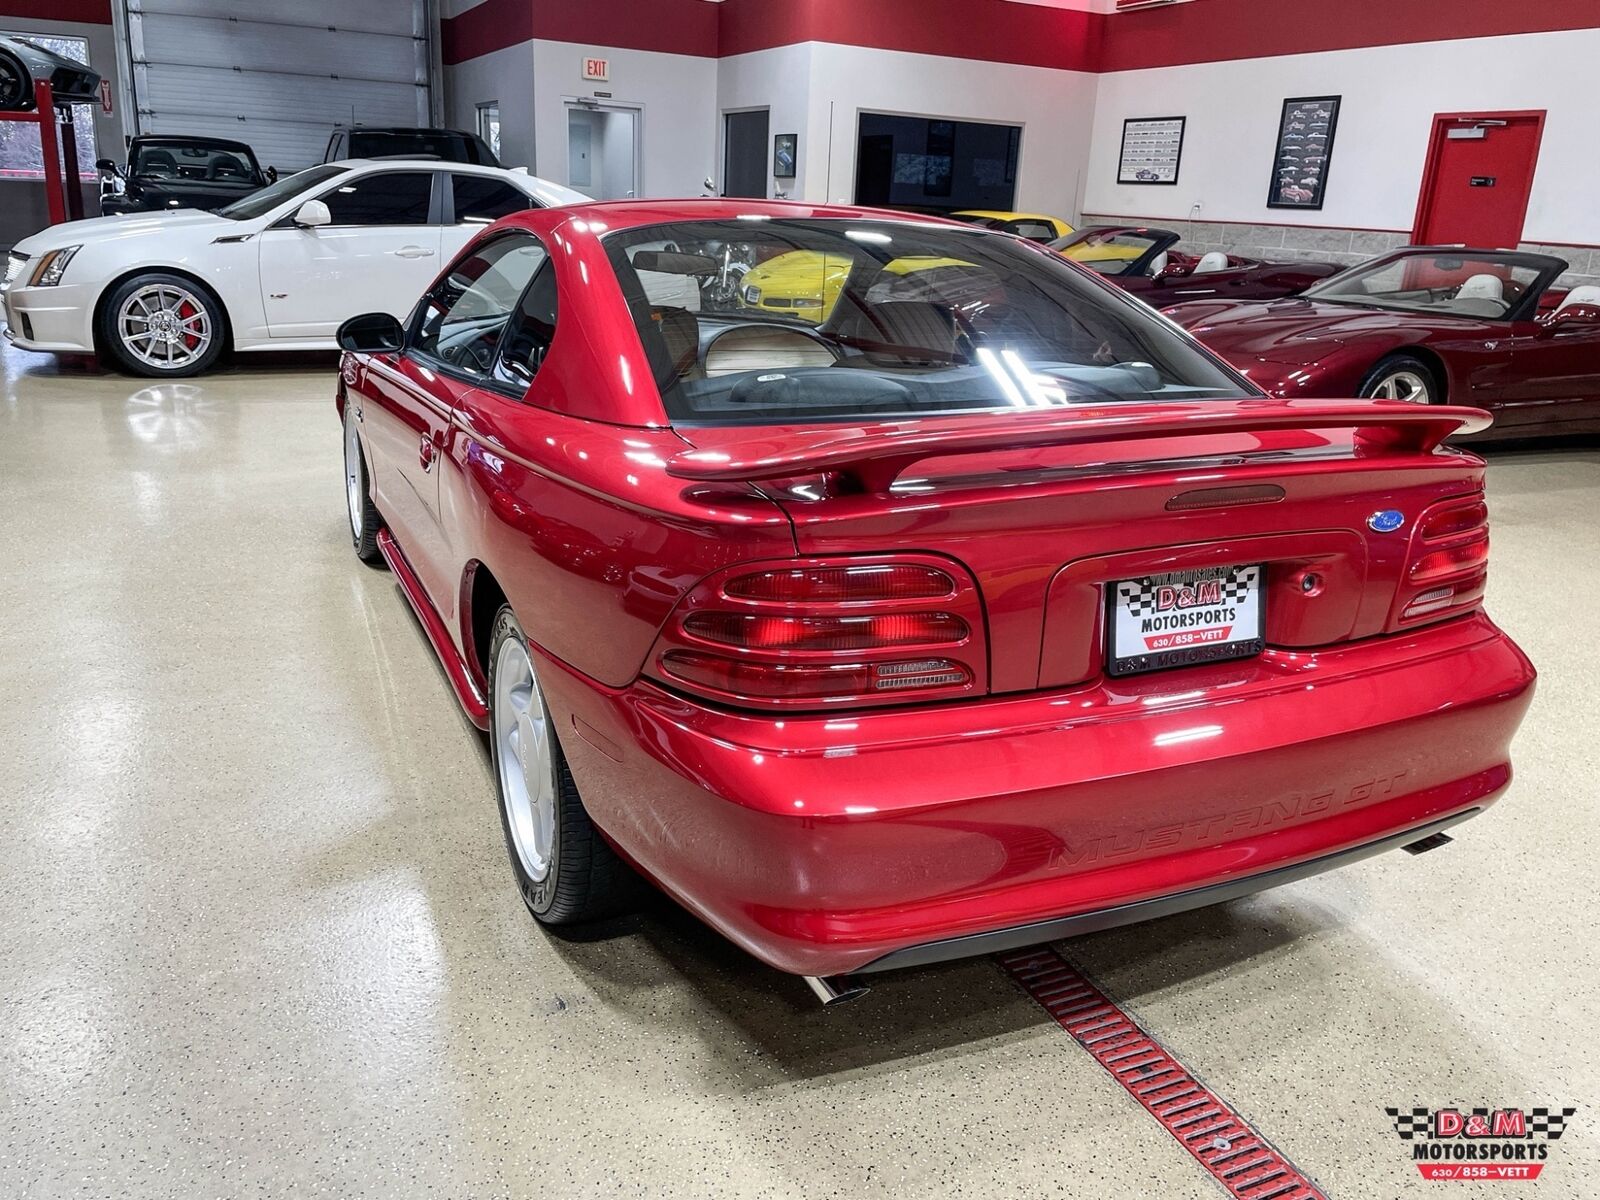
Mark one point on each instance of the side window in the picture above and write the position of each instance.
(461, 320)
(1036, 231)
(532, 329)
(481, 199)
(392, 198)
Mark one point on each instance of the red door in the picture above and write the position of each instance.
(1479, 174)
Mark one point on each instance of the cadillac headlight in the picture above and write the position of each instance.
(48, 272)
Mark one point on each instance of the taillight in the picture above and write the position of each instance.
(1448, 566)
(828, 632)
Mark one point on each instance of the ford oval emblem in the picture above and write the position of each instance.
(1386, 521)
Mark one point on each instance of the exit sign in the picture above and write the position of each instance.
(598, 69)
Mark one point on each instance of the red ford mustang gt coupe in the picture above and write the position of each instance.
(987, 610)
(1428, 325)
(1142, 260)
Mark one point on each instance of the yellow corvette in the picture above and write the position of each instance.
(807, 283)
(1036, 227)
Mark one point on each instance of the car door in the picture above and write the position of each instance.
(451, 349)
(472, 201)
(1554, 376)
(378, 253)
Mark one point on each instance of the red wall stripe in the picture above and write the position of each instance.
(87, 12)
(1230, 30)
(986, 30)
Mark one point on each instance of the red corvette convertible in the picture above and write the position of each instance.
(1428, 325)
(1142, 260)
(990, 609)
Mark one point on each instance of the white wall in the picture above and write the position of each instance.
(778, 80)
(1055, 109)
(507, 76)
(678, 96)
(1391, 94)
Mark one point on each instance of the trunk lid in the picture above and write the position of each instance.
(1047, 510)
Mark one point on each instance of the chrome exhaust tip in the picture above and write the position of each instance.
(835, 989)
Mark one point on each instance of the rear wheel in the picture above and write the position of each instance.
(16, 87)
(163, 326)
(364, 519)
(563, 868)
(1401, 377)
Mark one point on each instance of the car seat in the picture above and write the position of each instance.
(1158, 264)
(1587, 294)
(1481, 296)
(1214, 260)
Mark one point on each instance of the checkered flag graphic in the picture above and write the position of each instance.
(1140, 598)
(1410, 1125)
(1549, 1122)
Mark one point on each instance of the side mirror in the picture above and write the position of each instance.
(271, 174)
(1571, 319)
(371, 333)
(107, 164)
(311, 214)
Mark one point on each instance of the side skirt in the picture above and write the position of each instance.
(455, 668)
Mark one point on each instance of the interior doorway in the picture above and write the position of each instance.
(603, 150)
(744, 154)
(1478, 178)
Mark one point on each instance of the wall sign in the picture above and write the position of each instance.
(105, 96)
(1304, 151)
(785, 152)
(1152, 149)
(597, 69)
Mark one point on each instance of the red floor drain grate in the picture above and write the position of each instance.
(1236, 1156)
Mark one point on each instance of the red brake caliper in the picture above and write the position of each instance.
(185, 312)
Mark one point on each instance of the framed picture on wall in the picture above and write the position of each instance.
(1152, 150)
(785, 152)
(1304, 151)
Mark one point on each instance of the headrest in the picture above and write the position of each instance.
(1214, 260)
(1482, 287)
(1587, 294)
(680, 335)
(1159, 263)
(905, 333)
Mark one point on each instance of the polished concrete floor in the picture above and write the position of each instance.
(258, 935)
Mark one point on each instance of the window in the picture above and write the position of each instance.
(442, 144)
(481, 199)
(463, 317)
(852, 319)
(1111, 251)
(532, 330)
(259, 204)
(945, 166)
(392, 198)
(489, 124)
(21, 156)
(1034, 231)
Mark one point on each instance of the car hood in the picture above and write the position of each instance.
(110, 229)
(1291, 331)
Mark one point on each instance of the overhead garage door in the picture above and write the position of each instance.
(277, 75)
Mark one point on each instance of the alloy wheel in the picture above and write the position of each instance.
(165, 326)
(1402, 385)
(524, 759)
(11, 85)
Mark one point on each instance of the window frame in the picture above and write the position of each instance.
(434, 363)
(435, 201)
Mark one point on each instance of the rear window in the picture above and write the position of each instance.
(798, 319)
(201, 163)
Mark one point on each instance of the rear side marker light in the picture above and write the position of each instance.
(1428, 602)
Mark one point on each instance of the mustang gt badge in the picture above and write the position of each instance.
(1386, 521)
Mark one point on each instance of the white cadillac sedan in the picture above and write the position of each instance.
(167, 294)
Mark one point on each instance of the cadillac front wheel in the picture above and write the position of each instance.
(162, 326)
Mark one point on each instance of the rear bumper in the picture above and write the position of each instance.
(836, 843)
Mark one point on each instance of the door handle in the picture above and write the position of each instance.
(427, 454)
(414, 252)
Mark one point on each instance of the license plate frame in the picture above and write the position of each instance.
(1201, 629)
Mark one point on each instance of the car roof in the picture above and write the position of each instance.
(1518, 258)
(634, 214)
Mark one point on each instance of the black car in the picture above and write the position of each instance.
(172, 171)
(399, 141)
(23, 63)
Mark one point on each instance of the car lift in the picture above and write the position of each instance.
(58, 143)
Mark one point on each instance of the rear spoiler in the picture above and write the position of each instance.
(877, 454)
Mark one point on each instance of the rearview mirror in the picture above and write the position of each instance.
(664, 262)
(371, 333)
(313, 213)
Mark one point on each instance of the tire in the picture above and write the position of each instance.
(1402, 377)
(364, 519)
(564, 869)
(16, 85)
(162, 326)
